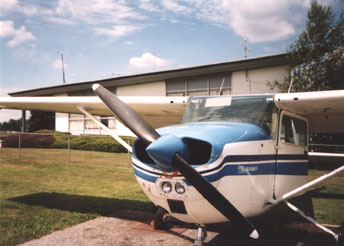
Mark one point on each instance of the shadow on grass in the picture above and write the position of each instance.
(328, 195)
(87, 204)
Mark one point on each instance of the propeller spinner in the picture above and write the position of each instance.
(169, 152)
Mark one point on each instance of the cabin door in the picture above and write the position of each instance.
(292, 153)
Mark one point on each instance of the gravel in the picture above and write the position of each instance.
(113, 230)
(126, 228)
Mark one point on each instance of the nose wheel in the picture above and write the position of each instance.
(200, 236)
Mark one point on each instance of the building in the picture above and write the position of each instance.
(247, 76)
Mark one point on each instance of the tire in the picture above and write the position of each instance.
(160, 218)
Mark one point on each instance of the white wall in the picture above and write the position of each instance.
(61, 119)
(149, 89)
(258, 78)
(61, 122)
(240, 85)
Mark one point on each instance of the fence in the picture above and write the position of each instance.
(22, 137)
(327, 148)
(23, 140)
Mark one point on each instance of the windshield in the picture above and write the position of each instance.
(257, 110)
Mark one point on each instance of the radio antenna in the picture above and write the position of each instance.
(246, 49)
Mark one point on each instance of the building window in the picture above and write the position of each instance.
(176, 87)
(76, 125)
(197, 86)
(204, 85)
(89, 92)
(89, 124)
(112, 122)
(79, 122)
(218, 80)
(76, 122)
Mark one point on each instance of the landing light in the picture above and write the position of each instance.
(166, 187)
(180, 189)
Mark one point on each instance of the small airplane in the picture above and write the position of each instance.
(231, 158)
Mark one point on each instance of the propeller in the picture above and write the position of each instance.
(128, 116)
(176, 158)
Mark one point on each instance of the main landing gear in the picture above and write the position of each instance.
(160, 218)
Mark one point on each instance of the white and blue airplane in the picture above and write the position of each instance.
(231, 158)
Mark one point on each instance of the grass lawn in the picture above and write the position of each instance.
(328, 201)
(41, 192)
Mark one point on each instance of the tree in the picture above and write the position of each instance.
(41, 120)
(316, 59)
(11, 125)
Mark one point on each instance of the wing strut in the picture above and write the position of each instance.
(306, 186)
(105, 128)
(302, 188)
(310, 219)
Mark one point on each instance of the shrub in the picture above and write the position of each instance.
(29, 141)
(53, 132)
(89, 142)
(60, 141)
(103, 144)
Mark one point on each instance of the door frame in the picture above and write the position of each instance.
(284, 182)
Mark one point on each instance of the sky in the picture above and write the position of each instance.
(109, 38)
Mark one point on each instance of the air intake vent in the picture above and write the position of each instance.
(139, 150)
(200, 151)
(177, 206)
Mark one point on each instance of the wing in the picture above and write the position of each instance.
(158, 111)
(324, 109)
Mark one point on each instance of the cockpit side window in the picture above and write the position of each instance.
(293, 131)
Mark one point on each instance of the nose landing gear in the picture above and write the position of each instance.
(200, 236)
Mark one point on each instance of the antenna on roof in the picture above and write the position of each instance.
(63, 73)
(246, 49)
(61, 54)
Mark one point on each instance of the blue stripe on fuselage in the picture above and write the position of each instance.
(285, 168)
(254, 158)
(242, 169)
(298, 167)
(241, 158)
(145, 176)
(292, 168)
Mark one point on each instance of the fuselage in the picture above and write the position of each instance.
(240, 145)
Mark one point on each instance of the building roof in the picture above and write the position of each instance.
(236, 65)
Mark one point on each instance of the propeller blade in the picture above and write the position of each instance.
(128, 116)
(213, 196)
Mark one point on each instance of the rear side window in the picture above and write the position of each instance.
(294, 131)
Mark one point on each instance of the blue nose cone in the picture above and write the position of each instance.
(163, 150)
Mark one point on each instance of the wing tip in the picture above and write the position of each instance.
(95, 87)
